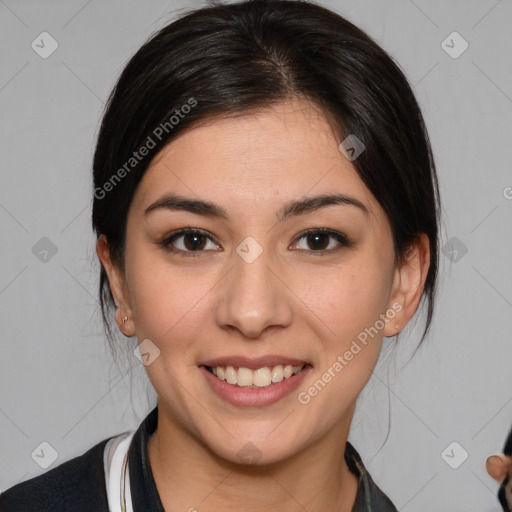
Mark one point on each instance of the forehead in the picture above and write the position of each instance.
(285, 151)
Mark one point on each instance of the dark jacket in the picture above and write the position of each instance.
(79, 484)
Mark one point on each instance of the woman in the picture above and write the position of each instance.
(266, 207)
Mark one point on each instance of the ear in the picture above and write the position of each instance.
(118, 287)
(408, 283)
(498, 466)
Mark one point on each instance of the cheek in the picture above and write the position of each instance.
(346, 309)
(166, 303)
(350, 299)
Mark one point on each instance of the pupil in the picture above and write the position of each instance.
(197, 242)
(314, 239)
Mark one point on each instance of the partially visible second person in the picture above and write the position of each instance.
(500, 468)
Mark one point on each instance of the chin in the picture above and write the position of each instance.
(255, 451)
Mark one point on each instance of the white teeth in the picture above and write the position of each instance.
(262, 377)
(231, 375)
(277, 373)
(244, 377)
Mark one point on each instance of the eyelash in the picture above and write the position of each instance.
(341, 238)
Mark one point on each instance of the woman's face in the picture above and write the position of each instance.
(252, 290)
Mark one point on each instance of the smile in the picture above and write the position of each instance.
(258, 378)
(254, 381)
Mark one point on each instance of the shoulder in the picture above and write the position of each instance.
(77, 485)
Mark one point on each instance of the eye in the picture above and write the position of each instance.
(323, 240)
(188, 240)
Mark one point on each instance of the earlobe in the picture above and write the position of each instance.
(123, 315)
(409, 281)
(125, 323)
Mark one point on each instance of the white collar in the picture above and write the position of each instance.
(117, 474)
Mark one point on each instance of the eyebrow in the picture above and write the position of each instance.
(291, 209)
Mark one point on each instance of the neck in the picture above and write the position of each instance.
(190, 477)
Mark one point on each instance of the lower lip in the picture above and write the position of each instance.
(255, 397)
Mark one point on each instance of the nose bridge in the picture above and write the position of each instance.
(253, 298)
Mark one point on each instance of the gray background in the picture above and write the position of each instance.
(58, 383)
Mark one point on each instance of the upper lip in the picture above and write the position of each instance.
(254, 362)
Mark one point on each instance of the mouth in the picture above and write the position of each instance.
(255, 381)
(264, 377)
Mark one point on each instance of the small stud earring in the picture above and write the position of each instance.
(125, 319)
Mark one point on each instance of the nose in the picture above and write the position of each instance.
(253, 297)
